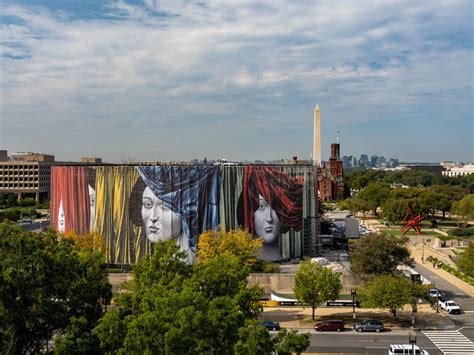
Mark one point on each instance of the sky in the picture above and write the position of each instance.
(176, 80)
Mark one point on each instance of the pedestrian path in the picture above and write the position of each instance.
(450, 342)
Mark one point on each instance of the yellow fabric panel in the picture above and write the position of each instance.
(121, 237)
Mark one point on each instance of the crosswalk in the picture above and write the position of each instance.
(450, 342)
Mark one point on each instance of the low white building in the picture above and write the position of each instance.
(459, 170)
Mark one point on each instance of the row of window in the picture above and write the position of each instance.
(19, 167)
(21, 179)
(12, 185)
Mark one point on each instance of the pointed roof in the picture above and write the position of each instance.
(317, 107)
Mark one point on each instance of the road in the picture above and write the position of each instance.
(462, 299)
(447, 342)
(36, 226)
(351, 342)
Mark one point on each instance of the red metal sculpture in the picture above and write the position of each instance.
(411, 221)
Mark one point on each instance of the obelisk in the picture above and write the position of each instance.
(317, 137)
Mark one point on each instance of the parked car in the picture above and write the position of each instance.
(435, 293)
(25, 220)
(406, 349)
(450, 306)
(370, 326)
(270, 325)
(332, 324)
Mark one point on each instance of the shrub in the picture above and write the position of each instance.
(452, 271)
(461, 232)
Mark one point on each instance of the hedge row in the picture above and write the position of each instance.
(457, 273)
(461, 232)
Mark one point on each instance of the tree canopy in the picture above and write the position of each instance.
(377, 254)
(170, 307)
(390, 292)
(465, 262)
(315, 284)
(43, 285)
(237, 243)
(464, 207)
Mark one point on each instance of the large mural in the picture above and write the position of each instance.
(134, 207)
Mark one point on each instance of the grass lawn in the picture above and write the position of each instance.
(427, 232)
(426, 223)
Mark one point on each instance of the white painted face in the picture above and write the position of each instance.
(160, 222)
(92, 206)
(267, 224)
(61, 218)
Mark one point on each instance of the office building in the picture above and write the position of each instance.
(25, 174)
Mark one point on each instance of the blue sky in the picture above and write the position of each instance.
(177, 80)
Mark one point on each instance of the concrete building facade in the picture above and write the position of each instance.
(27, 174)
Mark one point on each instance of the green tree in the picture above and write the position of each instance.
(27, 202)
(374, 195)
(432, 201)
(44, 283)
(389, 292)
(289, 342)
(253, 340)
(77, 340)
(315, 284)
(356, 205)
(464, 208)
(465, 262)
(110, 330)
(172, 308)
(377, 254)
(394, 210)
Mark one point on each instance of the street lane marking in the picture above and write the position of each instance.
(450, 341)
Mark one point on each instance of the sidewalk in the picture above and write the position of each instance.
(300, 317)
(453, 280)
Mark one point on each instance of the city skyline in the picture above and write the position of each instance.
(169, 80)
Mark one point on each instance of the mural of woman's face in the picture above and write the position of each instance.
(267, 224)
(61, 218)
(160, 222)
(92, 206)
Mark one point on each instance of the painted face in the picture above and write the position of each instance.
(92, 205)
(267, 224)
(159, 221)
(61, 218)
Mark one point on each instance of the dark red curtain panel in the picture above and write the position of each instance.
(69, 186)
(283, 192)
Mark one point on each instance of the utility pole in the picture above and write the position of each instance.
(353, 294)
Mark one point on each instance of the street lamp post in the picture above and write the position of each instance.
(353, 294)
(412, 341)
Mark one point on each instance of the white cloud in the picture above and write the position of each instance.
(164, 62)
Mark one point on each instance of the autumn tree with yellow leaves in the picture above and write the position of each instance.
(88, 241)
(237, 243)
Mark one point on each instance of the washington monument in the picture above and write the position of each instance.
(317, 137)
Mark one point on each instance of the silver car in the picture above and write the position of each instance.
(370, 326)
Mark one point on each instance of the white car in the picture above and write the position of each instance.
(434, 292)
(406, 349)
(450, 306)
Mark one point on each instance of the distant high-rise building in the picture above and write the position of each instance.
(364, 160)
(354, 162)
(373, 161)
(381, 161)
(347, 161)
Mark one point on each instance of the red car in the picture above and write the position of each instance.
(333, 324)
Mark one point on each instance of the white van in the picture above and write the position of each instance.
(406, 349)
